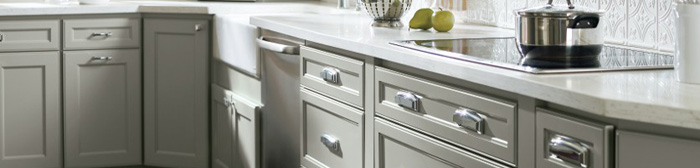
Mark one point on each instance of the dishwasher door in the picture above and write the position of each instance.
(281, 116)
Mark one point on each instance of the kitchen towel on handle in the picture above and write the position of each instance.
(235, 43)
(687, 51)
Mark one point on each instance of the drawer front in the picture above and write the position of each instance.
(487, 123)
(334, 75)
(567, 142)
(396, 146)
(29, 35)
(644, 150)
(331, 133)
(101, 33)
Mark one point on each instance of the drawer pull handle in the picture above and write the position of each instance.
(469, 119)
(102, 34)
(568, 150)
(330, 74)
(407, 100)
(101, 58)
(330, 141)
(2, 37)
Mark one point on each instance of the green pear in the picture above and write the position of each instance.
(421, 20)
(443, 21)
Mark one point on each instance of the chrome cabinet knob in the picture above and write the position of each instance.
(330, 74)
(569, 150)
(197, 27)
(330, 141)
(407, 100)
(101, 58)
(103, 34)
(470, 119)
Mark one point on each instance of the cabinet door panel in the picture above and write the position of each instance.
(30, 110)
(222, 128)
(103, 108)
(175, 92)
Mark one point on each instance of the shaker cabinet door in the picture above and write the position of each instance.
(30, 126)
(176, 125)
(235, 130)
(102, 108)
(222, 128)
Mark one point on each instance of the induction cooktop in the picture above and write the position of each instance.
(504, 53)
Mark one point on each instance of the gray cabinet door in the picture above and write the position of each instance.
(176, 128)
(235, 130)
(636, 149)
(30, 126)
(102, 108)
(222, 128)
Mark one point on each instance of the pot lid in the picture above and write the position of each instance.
(550, 10)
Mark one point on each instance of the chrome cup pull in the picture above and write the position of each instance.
(407, 100)
(107, 34)
(568, 150)
(330, 74)
(330, 141)
(102, 58)
(469, 119)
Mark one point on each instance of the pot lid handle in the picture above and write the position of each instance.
(571, 6)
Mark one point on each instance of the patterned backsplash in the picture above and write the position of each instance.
(645, 24)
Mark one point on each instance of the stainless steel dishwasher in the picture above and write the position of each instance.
(281, 115)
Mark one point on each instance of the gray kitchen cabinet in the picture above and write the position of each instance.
(397, 146)
(331, 133)
(102, 96)
(176, 125)
(636, 149)
(102, 32)
(234, 127)
(30, 106)
(29, 34)
(564, 141)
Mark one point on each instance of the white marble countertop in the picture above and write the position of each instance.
(651, 96)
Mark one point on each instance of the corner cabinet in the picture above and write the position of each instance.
(30, 106)
(176, 125)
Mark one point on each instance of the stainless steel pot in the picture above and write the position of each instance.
(560, 36)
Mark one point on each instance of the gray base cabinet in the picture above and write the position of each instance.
(396, 146)
(102, 108)
(176, 127)
(234, 125)
(645, 150)
(30, 109)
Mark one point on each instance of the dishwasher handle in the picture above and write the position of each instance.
(279, 45)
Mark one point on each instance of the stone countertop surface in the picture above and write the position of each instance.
(172, 7)
(651, 96)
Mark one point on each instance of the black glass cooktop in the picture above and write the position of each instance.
(504, 53)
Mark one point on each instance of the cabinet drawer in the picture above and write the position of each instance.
(568, 142)
(396, 146)
(337, 76)
(29, 35)
(645, 150)
(488, 123)
(331, 133)
(101, 33)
